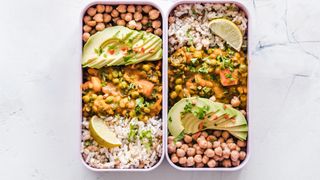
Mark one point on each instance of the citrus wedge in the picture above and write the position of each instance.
(228, 31)
(102, 134)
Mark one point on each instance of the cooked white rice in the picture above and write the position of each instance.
(188, 24)
(130, 154)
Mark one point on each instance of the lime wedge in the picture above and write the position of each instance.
(102, 134)
(228, 31)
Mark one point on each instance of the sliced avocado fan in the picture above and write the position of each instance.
(191, 115)
(120, 45)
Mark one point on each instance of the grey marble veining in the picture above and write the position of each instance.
(39, 90)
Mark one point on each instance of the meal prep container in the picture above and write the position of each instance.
(164, 77)
(249, 31)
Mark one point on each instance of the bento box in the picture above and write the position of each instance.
(123, 118)
(208, 80)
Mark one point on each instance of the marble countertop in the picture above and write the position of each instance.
(39, 90)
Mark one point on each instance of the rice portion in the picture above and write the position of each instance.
(188, 25)
(135, 152)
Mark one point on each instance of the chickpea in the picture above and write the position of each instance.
(226, 153)
(131, 104)
(217, 133)
(122, 8)
(132, 24)
(128, 17)
(187, 138)
(209, 146)
(149, 29)
(199, 165)
(144, 20)
(154, 14)
(190, 161)
(171, 20)
(178, 144)
(91, 11)
(241, 144)
(182, 160)
(216, 144)
(86, 19)
(121, 22)
(221, 140)
(131, 9)
(218, 151)
(191, 151)
(170, 139)
(174, 158)
(173, 95)
(209, 153)
(96, 82)
(106, 18)
(85, 36)
(243, 112)
(235, 102)
(184, 147)
(108, 9)
(171, 148)
(242, 155)
(156, 24)
(205, 159)
(216, 158)
(235, 163)
(225, 135)
(198, 158)
(138, 26)
(146, 8)
(230, 140)
(203, 144)
(139, 8)
(199, 150)
(211, 138)
(100, 8)
(158, 32)
(232, 146)
(114, 13)
(87, 28)
(234, 155)
(100, 26)
(204, 134)
(98, 18)
(109, 99)
(226, 163)
(122, 16)
(92, 23)
(212, 163)
(181, 153)
(137, 16)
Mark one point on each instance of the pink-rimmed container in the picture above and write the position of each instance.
(164, 77)
(249, 36)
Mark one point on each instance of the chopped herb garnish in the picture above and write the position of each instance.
(188, 107)
(203, 70)
(149, 24)
(170, 119)
(98, 51)
(194, 60)
(133, 132)
(200, 112)
(126, 58)
(112, 47)
(103, 84)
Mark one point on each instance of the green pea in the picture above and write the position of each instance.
(146, 67)
(178, 88)
(242, 68)
(115, 74)
(109, 99)
(135, 94)
(110, 77)
(146, 110)
(173, 95)
(115, 80)
(94, 96)
(132, 114)
(86, 98)
(179, 81)
(123, 85)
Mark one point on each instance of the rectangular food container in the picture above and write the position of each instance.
(249, 34)
(164, 85)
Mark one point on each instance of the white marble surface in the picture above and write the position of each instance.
(39, 90)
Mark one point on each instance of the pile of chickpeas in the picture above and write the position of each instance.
(207, 149)
(138, 17)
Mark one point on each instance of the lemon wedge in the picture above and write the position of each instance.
(228, 31)
(102, 134)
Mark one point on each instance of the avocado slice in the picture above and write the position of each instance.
(97, 51)
(182, 117)
(240, 135)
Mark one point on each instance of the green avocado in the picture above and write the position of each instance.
(191, 115)
(119, 45)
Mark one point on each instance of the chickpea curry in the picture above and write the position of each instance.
(214, 73)
(129, 91)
